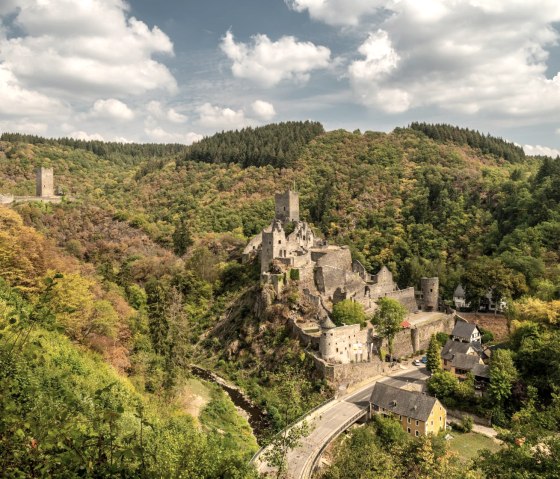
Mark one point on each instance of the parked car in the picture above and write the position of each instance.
(424, 360)
(417, 362)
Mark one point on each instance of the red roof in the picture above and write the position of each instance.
(405, 324)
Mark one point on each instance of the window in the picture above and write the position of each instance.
(408, 430)
(337, 350)
(417, 434)
(417, 422)
(408, 420)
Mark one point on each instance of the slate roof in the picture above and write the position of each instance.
(481, 370)
(404, 403)
(459, 291)
(454, 347)
(465, 361)
(463, 330)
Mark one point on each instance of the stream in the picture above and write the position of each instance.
(257, 417)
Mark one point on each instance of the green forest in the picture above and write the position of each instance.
(109, 297)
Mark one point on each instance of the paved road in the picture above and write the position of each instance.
(327, 421)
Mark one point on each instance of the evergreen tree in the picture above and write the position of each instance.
(433, 355)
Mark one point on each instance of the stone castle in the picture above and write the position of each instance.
(326, 274)
(44, 188)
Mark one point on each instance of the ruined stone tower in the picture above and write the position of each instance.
(327, 344)
(287, 206)
(274, 245)
(430, 293)
(45, 182)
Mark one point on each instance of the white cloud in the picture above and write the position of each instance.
(211, 116)
(541, 150)
(82, 135)
(176, 117)
(86, 48)
(159, 135)
(111, 109)
(15, 100)
(24, 126)
(367, 75)
(156, 109)
(426, 54)
(268, 63)
(336, 12)
(263, 109)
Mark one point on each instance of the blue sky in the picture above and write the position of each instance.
(174, 70)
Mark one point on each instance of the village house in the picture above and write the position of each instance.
(466, 333)
(418, 413)
(464, 354)
(487, 302)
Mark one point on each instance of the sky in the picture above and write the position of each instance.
(177, 70)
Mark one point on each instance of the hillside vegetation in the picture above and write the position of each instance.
(140, 263)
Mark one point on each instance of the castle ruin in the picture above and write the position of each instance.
(326, 275)
(44, 189)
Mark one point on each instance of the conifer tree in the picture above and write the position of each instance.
(433, 355)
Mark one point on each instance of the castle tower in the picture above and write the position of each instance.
(327, 344)
(274, 245)
(45, 182)
(430, 293)
(287, 206)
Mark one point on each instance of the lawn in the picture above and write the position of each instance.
(468, 444)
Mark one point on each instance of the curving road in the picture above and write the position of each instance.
(336, 416)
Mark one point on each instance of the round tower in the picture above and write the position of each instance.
(430, 293)
(327, 346)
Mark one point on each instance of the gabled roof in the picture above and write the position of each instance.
(465, 361)
(463, 330)
(481, 370)
(402, 402)
(452, 348)
(459, 291)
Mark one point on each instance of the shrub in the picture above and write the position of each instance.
(348, 312)
(442, 338)
(467, 423)
(294, 274)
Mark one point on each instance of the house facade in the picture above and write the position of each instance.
(418, 413)
(464, 354)
(487, 302)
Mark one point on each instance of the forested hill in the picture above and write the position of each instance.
(138, 151)
(140, 268)
(487, 144)
(278, 145)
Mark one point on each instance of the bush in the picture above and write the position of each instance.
(467, 423)
(442, 338)
(348, 312)
(487, 336)
(294, 274)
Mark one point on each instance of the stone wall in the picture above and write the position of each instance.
(337, 258)
(252, 249)
(304, 338)
(409, 341)
(406, 297)
(348, 374)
